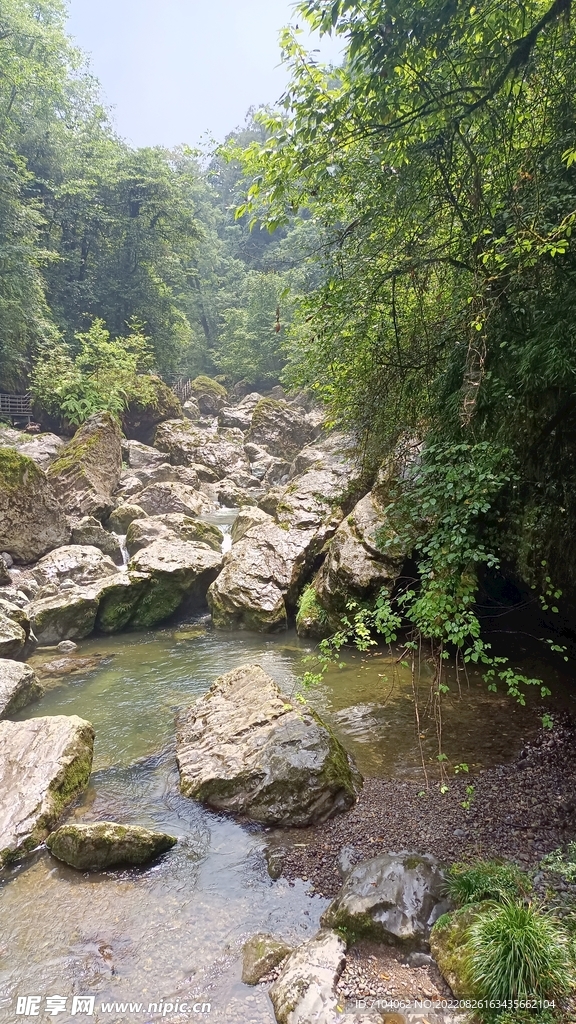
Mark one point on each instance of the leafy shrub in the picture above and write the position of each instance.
(516, 952)
(562, 862)
(485, 880)
(106, 375)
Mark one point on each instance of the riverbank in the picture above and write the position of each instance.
(519, 811)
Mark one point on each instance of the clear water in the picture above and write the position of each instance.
(174, 931)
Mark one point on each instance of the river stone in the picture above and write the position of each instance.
(87, 470)
(70, 615)
(305, 989)
(5, 577)
(169, 496)
(105, 844)
(118, 598)
(18, 686)
(89, 531)
(180, 573)
(81, 564)
(191, 410)
(12, 637)
(17, 613)
(248, 517)
(260, 955)
(173, 525)
(245, 747)
(394, 897)
(280, 428)
(31, 519)
(46, 762)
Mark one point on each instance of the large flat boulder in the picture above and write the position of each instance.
(45, 764)
(247, 748)
(32, 521)
(180, 572)
(101, 845)
(161, 498)
(395, 898)
(90, 531)
(87, 470)
(172, 526)
(19, 686)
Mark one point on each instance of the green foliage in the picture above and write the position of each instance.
(485, 880)
(106, 374)
(562, 862)
(516, 952)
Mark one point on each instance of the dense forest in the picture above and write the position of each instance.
(396, 236)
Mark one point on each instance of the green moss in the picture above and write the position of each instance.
(16, 469)
(448, 944)
(118, 606)
(311, 617)
(208, 386)
(265, 408)
(161, 599)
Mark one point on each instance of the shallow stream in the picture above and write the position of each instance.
(174, 931)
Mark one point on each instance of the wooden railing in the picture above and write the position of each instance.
(16, 407)
(181, 386)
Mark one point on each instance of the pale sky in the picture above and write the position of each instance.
(175, 71)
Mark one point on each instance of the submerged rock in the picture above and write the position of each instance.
(31, 519)
(245, 747)
(87, 470)
(105, 844)
(392, 898)
(260, 955)
(305, 990)
(47, 762)
(18, 687)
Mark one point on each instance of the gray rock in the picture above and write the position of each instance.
(279, 428)
(9, 561)
(47, 762)
(166, 473)
(5, 578)
(173, 526)
(82, 564)
(16, 613)
(191, 410)
(118, 599)
(141, 456)
(119, 520)
(87, 470)
(70, 615)
(18, 687)
(209, 394)
(394, 897)
(416, 959)
(247, 518)
(158, 499)
(260, 955)
(263, 573)
(180, 573)
(346, 858)
(31, 519)
(42, 449)
(12, 637)
(245, 747)
(354, 568)
(105, 844)
(188, 445)
(89, 530)
(231, 496)
(305, 990)
(66, 646)
(275, 857)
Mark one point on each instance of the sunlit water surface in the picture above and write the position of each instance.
(174, 931)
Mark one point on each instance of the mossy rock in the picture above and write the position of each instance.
(260, 955)
(311, 618)
(448, 946)
(31, 519)
(202, 385)
(105, 844)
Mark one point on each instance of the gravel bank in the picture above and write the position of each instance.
(519, 811)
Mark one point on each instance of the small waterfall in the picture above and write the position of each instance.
(123, 548)
(227, 538)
